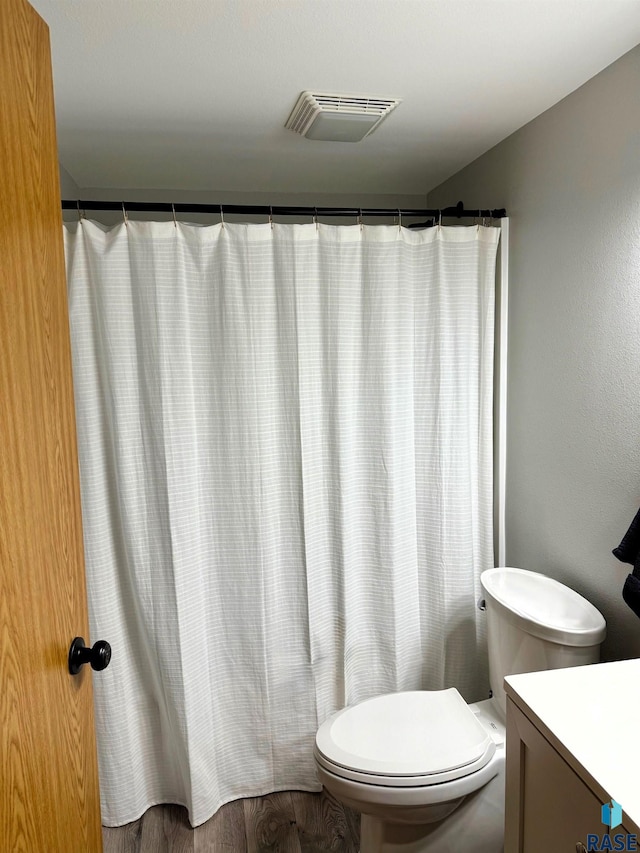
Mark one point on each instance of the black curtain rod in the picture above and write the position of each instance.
(458, 211)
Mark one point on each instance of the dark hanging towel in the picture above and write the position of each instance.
(628, 551)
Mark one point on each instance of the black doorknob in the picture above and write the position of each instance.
(79, 654)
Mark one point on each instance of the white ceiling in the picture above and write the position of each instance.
(194, 94)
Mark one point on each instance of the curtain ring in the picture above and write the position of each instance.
(360, 218)
(173, 210)
(271, 216)
(399, 221)
(315, 217)
(125, 215)
(439, 220)
(221, 217)
(81, 214)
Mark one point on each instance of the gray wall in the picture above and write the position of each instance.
(68, 187)
(570, 181)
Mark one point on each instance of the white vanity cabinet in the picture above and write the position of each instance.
(548, 805)
(573, 744)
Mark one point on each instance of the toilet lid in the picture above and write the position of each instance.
(415, 733)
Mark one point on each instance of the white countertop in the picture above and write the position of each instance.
(593, 715)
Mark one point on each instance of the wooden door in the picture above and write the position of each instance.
(49, 799)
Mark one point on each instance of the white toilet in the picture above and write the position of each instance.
(424, 768)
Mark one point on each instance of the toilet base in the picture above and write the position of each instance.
(476, 826)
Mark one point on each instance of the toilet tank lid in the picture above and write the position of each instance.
(544, 607)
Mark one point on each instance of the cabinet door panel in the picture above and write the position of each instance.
(549, 808)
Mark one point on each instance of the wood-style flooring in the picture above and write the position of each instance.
(286, 822)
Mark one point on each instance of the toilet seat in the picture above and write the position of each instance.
(410, 739)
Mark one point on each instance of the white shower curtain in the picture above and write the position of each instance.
(286, 467)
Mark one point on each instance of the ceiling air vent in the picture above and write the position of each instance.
(338, 118)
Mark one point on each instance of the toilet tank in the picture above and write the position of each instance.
(535, 623)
